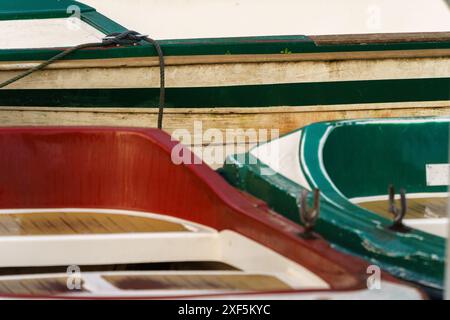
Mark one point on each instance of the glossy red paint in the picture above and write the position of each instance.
(132, 169)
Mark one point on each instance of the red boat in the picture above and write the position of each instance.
(106, 213)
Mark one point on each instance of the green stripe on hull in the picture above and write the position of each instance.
(295, 94)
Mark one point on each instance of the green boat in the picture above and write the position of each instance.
(244, 82)
(358, 166)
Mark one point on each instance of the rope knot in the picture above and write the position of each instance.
(123, 38)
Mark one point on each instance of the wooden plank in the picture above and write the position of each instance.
(217, 75)
(418, 208)
(198, 282)
(283, 119)
(372, 38)
(69, 223)
(38, 286)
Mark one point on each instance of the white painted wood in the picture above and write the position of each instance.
(438, 174)
(253, 257)
(210, 245)
(388, 291)
(177, 19)
(357, 200)
(438, 226)
(99, 287)
(43, 33)
(108, 248)
(24, 251)
(228, 74)
(282, 156)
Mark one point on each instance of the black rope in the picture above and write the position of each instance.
(162, 83)
(124, 38)
(41, 66)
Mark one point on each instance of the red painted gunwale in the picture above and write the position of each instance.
(131, 169)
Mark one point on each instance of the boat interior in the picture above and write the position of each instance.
(114, 204)
(162, 261)
(415, 159)
(268, 18)
(69, 23)
(17, 33)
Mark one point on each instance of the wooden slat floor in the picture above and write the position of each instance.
(69, 223)
(197, 282)
(418, 208)
(37, 286)
(58, 285)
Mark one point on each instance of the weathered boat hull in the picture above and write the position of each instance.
(252, 83)
(231, 105)
(374, 154)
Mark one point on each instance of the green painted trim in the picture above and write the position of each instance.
(88, 15)
(293, 94)
(185, 47)
(218, 46)
(102, 23)
(417, 256)
(38, 9)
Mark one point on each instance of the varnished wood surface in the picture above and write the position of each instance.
(58, 285)
(381, 38)
(197, 282)
(34, 287)
(69, 223)
(419, 208)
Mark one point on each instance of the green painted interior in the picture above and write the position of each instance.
(293, 94)
(379, 154)
(415, 256)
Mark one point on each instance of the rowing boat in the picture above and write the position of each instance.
(251, 81)
(108, 210)
(359, 165)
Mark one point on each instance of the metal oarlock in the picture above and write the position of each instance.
(308, 215)
(399, 214)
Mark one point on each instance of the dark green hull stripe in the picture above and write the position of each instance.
(296, 94)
